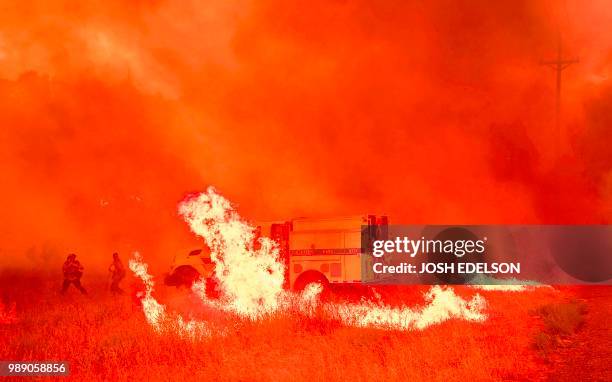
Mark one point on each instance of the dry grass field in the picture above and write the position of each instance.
(106, 338)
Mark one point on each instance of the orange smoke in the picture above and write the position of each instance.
(431, 112)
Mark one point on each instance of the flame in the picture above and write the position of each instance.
(487, 283)
(251, 281)
(155, 313)
(442, 304)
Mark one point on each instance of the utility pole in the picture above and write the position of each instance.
(559, 64)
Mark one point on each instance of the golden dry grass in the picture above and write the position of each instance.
(107, 339)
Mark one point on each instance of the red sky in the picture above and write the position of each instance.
(431, 112)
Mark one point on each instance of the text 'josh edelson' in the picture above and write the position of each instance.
(443, 257)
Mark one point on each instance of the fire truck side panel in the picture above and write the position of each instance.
(331, 224)
(316, 240)
(322, 264)
(329, 246)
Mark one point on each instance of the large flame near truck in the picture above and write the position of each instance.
(251, 280)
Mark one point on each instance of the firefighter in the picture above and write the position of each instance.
(117, 274)
(73, 270)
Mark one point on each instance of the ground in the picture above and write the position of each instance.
(108, 338)
(588, 354)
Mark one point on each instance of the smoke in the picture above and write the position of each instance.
(432, 112)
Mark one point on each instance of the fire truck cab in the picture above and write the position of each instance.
(324, 250)
(187, 268)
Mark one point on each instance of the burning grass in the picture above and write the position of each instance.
(109, 339)
(250, 278)
(257, 330)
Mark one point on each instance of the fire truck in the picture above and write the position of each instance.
(325, 250)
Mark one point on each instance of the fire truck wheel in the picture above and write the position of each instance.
(186, 276)
(312, 277)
